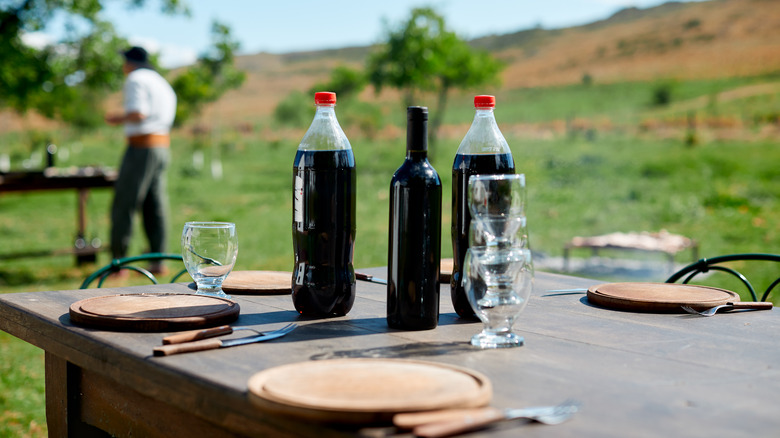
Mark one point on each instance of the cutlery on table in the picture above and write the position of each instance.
(196, 335)
(757, 305)
(202, 343)
(370, 278)
(449, 422)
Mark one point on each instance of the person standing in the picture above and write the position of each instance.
(149, 111)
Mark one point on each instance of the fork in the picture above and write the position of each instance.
(455, 421)
(195, 335)
(758, 305)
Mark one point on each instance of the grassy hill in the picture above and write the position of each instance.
(715, 39)
(709, 40)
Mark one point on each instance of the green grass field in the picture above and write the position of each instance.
(720, 190)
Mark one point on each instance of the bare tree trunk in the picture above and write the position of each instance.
(437, 119)
(409, 97)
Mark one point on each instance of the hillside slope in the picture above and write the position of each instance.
(698, 40)
(716, 38)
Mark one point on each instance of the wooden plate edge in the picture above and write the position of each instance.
(268, 402)
(632, 305)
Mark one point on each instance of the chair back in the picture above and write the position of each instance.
(716, 264)
(127, 263)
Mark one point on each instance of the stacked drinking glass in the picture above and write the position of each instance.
(498, 269)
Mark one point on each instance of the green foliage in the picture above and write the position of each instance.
(209, 78)
(421, 54)
(295, 110)
(363, 116)
(692, 24)
(344, 81)
(662, 94)
(65, 82)
(587, 79)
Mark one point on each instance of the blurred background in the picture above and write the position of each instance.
(625, 116)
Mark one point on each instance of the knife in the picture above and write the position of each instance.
(370, 278)
(210, 344)
(435, 424)
(411, 420)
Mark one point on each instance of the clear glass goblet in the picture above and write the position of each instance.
(497, 205)
(498, 283)
(209, 250)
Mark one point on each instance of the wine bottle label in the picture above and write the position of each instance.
(298, 199)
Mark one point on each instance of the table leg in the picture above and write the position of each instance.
(85, 252)
(56, 395)
(63, 400)
(82, 218)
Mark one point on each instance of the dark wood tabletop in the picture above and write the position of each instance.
(57, 179)
(636, 374)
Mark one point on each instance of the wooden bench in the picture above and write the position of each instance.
(661, 242)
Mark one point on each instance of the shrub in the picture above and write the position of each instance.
(295, 110)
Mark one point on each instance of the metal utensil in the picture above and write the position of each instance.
(454, 421)
(210, 344)
(757, 305)
(196, 335)
(580, 290)
(208, 260)
(370, 278)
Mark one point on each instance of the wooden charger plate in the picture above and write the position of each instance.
(658, 297)
(445, 270)
(153, 312)
(258, 282)
(366, 390)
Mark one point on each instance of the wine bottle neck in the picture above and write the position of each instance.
(416, 155)
(417, 132)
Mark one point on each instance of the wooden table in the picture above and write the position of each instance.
(636, 374)
(81, 179)
(661, 242)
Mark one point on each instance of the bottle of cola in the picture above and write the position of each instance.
(414, 249)
(484, 150)
(323, 280)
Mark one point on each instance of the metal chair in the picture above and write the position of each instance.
(714, 264)
(126, 263)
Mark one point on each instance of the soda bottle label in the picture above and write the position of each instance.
(298, 200)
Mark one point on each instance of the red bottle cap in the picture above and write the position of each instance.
(484, 101)
(324, 98)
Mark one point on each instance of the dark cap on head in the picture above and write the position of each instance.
(138, 56)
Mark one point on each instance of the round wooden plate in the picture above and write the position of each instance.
(258, 282)
(445, 271)
(153, 312)
(658, 297)
(366, 390)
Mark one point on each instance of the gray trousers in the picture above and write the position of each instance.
(141, 185)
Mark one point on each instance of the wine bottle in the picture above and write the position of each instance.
(414, 250)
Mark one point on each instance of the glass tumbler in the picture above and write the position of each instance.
(498, 283)
(497, 206)
(209, 250)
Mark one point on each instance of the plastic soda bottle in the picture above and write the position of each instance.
(484, 150)
(323, 280)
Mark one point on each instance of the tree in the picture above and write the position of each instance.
(210, 77)
(68, 80)
(423, 55)
(344, 81)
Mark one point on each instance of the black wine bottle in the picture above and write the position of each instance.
(414, 250)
